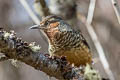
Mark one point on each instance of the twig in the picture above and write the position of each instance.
(33, 16)
(91, 11)
(116, 9)
(96, 41)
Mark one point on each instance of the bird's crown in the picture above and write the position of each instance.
(49, 20)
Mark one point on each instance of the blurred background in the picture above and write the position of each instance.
(13, 16)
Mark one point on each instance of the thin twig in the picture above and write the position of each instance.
(33, 16)
(116, 9)
(96, 41)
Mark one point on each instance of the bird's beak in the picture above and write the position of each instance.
(38, 27)
(35, 27)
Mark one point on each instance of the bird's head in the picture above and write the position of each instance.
(51, 25)
(48, 23)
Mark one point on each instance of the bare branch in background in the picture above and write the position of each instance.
(116, 8)
(91, 11)
(57, 67)
(93, 36)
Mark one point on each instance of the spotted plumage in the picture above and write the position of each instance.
(65, 41)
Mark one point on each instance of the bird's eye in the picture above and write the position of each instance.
(46, 23)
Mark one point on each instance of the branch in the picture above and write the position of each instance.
(91, 11)
(58, 67)
(116, 9)
(15, 48)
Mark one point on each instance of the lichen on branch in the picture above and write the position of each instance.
(15, 48)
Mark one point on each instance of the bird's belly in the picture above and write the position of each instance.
(76, 57)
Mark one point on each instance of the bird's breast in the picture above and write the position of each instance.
(75, 56)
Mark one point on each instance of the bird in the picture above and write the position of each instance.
(65, 41)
